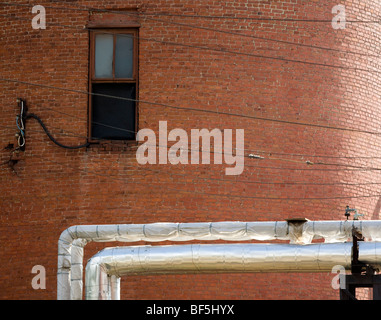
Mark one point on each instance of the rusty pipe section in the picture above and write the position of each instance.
(113, 263)
(73, 240)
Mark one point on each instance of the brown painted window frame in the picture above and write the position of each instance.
(135, 73)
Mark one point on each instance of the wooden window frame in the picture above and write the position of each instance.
(134, 31)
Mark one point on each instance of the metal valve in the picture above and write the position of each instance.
(348, 213)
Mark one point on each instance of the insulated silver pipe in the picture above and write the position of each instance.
(73, 240)
(219, 258)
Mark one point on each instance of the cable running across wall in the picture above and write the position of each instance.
(196, 109)
(240, 196)
(223, 50)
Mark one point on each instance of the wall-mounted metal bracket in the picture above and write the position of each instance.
(353, 281)
(363, 275)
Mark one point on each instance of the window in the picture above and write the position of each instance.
(113, 72)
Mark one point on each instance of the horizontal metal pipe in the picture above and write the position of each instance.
(73, 240)
(220, 258)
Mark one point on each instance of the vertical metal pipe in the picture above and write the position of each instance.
(115, 287)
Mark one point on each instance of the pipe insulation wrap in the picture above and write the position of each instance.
(73, 240)
(218, 258)
(333, 231)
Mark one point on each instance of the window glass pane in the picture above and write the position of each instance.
(113, 119)
(124, 55)
(104, 46)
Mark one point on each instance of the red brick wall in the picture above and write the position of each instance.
(52, 188)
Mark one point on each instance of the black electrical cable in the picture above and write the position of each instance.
(32, 115)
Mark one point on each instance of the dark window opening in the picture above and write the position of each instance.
(113, 119)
